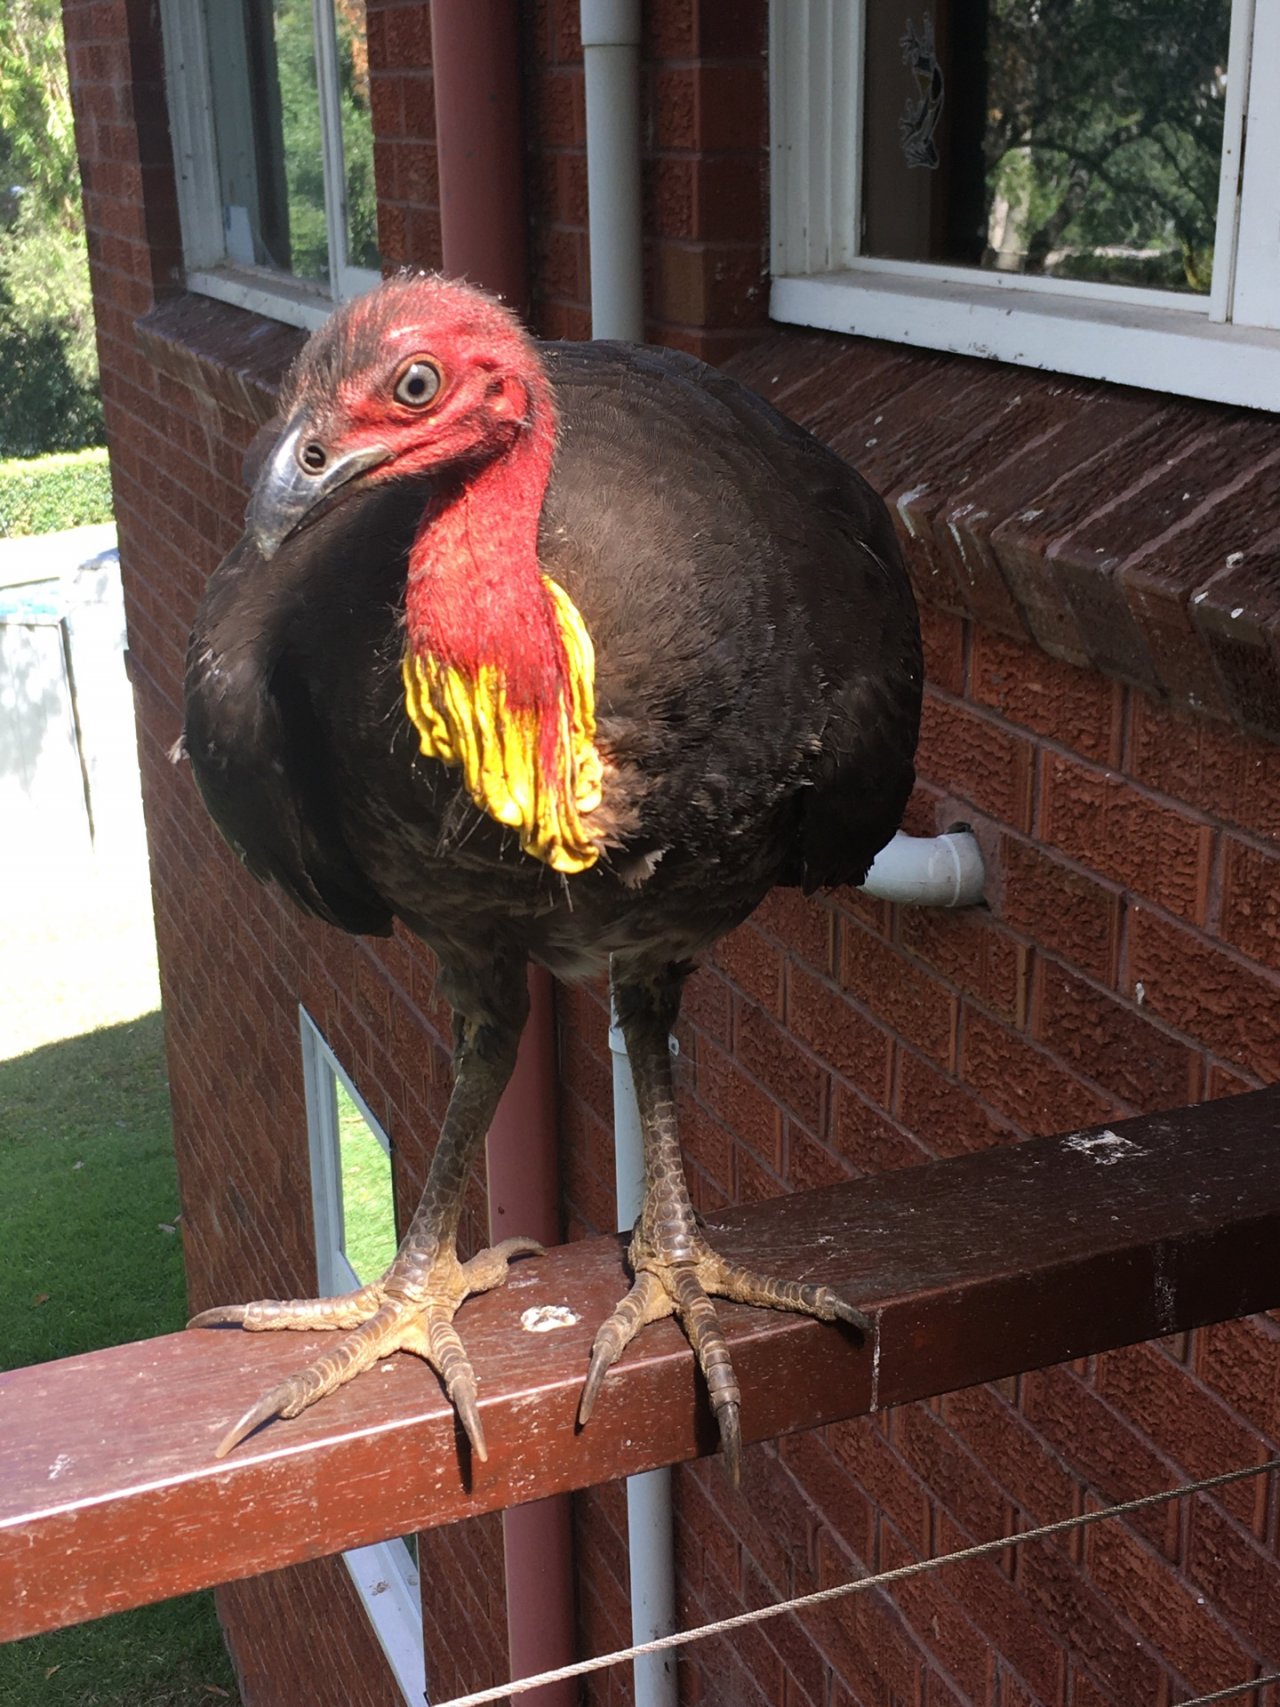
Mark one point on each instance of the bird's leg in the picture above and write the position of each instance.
(411, 1308)
(676, 1271)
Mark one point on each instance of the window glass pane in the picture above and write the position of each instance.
(357, 133)
(1077, 139)
(368, 1205)
(266, 120)
(303, 149)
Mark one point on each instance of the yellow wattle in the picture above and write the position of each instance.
(469, 721)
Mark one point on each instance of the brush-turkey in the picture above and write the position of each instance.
(563, 652)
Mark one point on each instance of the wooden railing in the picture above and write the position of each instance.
(973, 1269)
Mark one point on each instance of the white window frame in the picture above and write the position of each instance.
(1223, 346)
(209, 271)
(384, 1574)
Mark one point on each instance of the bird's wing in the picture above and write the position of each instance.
(257, 752)
(754, 626)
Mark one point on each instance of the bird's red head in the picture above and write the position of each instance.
(423, 374)
(428, 376)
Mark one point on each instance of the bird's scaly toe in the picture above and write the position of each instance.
(686, 1288)
(771, 1292)
(381, 1318)
(649, 1300)
(268, 1315)
(375, 1337)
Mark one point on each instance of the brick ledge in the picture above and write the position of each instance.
(229, 355)
(1130, 532)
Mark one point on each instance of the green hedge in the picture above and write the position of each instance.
(47, 493)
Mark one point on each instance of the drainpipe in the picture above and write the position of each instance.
(650, 1518)
(611, 57)
(475, 53)
(475, 50)
(524, 1197)
(480, 143)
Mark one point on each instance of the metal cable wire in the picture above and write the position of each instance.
(820, 1597)
(1224, 1694)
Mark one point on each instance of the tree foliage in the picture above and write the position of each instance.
(48, 362)
(302, 145)
(1105, 125)
(38, 138)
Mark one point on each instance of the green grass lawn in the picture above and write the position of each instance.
(368, 1204)
(91, 1253)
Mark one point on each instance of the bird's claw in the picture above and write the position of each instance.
(648, 1301)
(729, 1421)
(663, 1288)
(272, 1404)
(843, 1311)
(221, 1316)
(380, 1321)
(268, 1315)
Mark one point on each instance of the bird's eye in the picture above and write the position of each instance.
(418, 383)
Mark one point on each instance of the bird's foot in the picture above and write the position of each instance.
(685, 1287)
(380, 1318)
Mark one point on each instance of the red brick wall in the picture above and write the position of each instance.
(1127, 962)
(402, 95)
(841, 1036)
(1129, 959)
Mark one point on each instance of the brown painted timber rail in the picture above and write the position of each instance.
(972, 1269)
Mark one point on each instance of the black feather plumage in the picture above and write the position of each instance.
(757, 680)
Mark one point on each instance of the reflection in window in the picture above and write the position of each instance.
(268, 108)
(1080, 139)
(303, 150)
(357, 133)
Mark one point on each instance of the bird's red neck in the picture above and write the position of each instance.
(499, 670)
(473, 569)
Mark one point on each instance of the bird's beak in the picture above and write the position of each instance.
(289, 491)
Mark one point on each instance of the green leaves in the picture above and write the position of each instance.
(50, 492)
(48, 358)
(38, 147)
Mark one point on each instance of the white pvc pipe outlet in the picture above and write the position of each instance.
(929, 871)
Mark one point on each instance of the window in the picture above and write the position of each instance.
(269, 103)
(1083, 185)
(354, 1213)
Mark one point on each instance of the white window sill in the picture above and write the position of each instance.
(1142, 343)
(273, 295)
